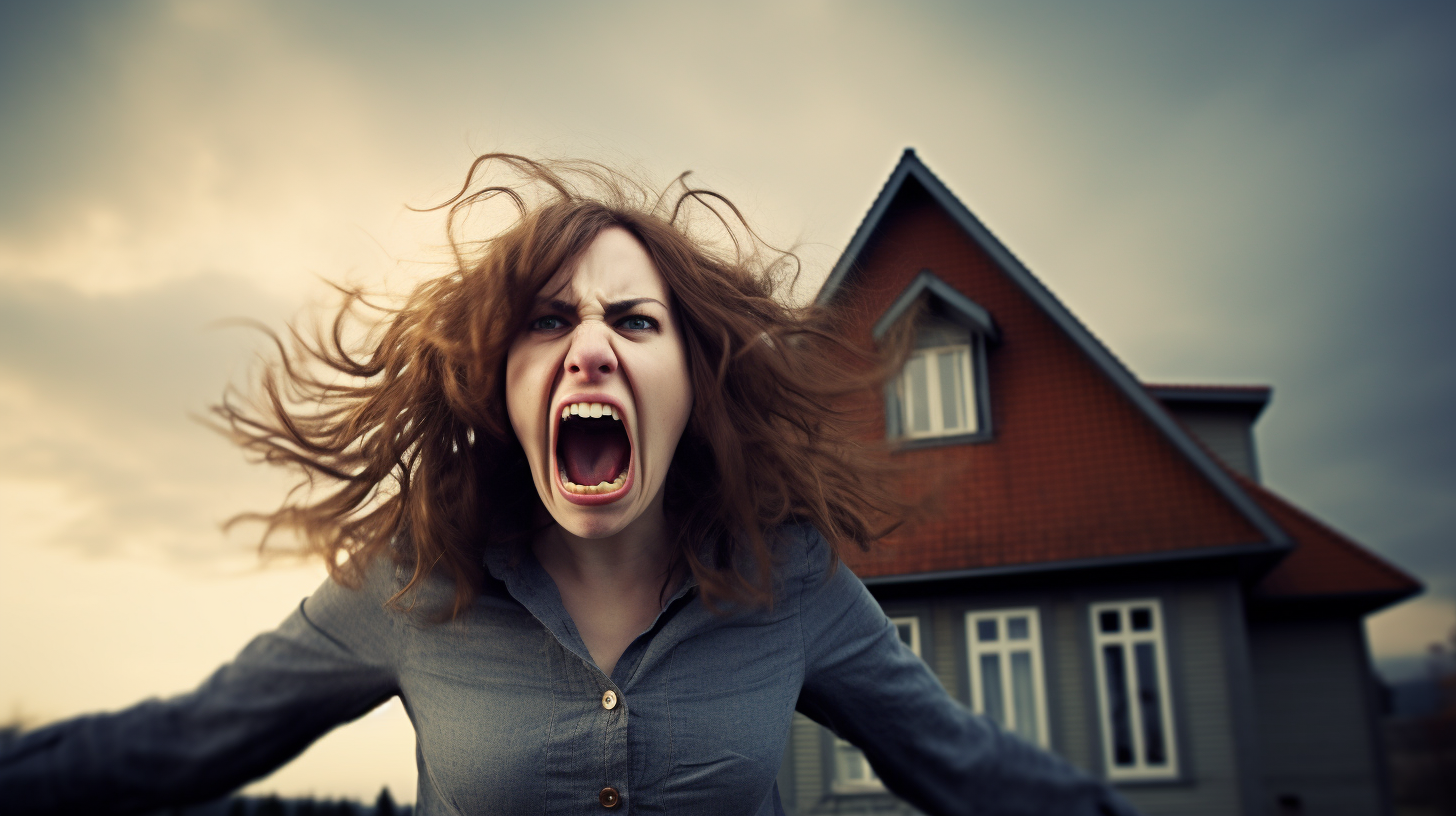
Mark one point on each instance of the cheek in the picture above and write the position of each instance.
(664, 394)
(677, 393)
(684, 395)
(521, 399)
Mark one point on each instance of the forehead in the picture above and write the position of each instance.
(615, 266)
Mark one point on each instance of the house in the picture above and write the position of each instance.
(1105, 574)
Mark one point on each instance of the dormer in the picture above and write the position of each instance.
(942, 394)
(1221, 417)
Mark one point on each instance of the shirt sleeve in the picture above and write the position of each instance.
(865, 685)
(330, 661)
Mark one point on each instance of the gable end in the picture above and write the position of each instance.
(911, 169)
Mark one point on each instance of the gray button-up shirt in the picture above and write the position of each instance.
(512, 716)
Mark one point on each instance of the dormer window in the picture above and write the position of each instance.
(940, 395)
(936, 392)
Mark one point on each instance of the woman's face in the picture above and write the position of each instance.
(597, 388)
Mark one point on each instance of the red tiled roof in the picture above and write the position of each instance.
(1075, 471)
(1324, 563)
(1079, 468)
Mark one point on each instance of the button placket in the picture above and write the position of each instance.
(610, 797)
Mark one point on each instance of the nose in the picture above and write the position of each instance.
(591, 355)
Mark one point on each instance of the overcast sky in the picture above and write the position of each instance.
(1224, 192)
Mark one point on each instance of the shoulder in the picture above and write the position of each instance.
(366, 603)
(820, 583)
(804, 555)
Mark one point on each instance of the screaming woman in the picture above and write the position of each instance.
(582, 500)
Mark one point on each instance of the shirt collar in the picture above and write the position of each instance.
(532, 587)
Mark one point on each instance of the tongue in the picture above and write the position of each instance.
(592, 451)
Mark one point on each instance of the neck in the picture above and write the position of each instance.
(612, 587)
(635, 558)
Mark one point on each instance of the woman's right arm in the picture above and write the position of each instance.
(331, 661)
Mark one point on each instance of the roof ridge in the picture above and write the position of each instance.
(862, 231)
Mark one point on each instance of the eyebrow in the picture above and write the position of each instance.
(622, 306)
(612, 309)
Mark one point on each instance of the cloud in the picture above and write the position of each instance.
(95, 397)
(184, 138)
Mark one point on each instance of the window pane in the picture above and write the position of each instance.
(986, 630)
(1110, 621)
(1017, 628)
(1117, 703)
(907, 635)
(993, 703)
(952, 402)
(1142, 619)
(965, 388)
(851, 764)
(1023, 696)
(917, 387)
(968, 408)
(1150, 700)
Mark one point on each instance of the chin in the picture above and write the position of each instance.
(595, 523)
(591, 528)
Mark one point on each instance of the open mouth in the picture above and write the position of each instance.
(593, 451)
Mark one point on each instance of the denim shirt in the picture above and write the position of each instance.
(512, 716)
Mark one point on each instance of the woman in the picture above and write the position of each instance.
(582, 501)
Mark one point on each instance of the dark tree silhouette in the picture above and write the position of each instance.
(1422, 748)
(271, 806)
(384, 805)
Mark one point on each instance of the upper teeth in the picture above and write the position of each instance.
(590, 409)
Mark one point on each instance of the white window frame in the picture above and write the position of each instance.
(933, 393)
(1129, 640)
(852, 771)
(1004, 647)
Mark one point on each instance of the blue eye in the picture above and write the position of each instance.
(638, 323)
(548, 323)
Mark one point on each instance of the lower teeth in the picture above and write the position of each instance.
(591, 490)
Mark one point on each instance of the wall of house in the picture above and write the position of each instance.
(1316, 717)
(1204, 626)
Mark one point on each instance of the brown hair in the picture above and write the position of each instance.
(409, 453)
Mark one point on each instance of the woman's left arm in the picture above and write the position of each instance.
(864, 684)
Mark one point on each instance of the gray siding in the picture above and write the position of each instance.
(806, 747)
(1316, 717)
(1070, 693)
(945, 637)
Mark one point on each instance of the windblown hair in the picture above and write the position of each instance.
(404, 442)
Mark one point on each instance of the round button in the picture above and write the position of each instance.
(609, 702)
(609, 797)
